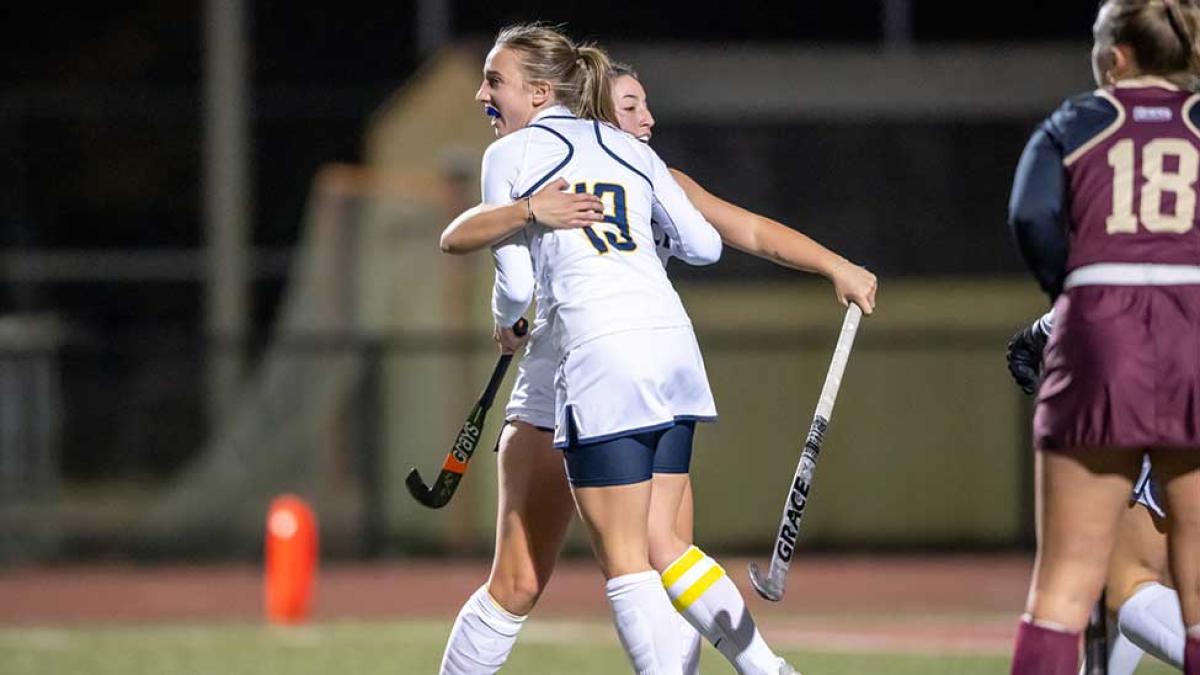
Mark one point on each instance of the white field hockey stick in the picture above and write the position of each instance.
(771, 585)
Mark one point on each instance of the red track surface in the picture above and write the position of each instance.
(959, 602)
(835, 589)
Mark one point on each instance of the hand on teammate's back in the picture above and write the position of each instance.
(558, 209)
(856, 284)
(1024, 357)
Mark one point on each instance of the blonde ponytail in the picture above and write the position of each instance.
(578, 75)
(595, 92)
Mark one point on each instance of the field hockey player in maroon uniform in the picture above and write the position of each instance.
(1142, 609)
(1104, 212)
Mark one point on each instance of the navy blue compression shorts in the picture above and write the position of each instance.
(629, 459)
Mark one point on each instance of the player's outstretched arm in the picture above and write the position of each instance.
(486, 224)
(770, 240)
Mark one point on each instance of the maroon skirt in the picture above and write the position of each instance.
(1122, 369)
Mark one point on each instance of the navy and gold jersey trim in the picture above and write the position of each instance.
(550, 174)
(1084, 121)
(1191, 114)
(612, 154)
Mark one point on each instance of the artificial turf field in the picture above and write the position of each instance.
(398, 647)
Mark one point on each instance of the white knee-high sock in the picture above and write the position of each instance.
(1123, 655)
(645, 623)
(1151, 619)
(482, 637)
(707, 598)
(689, 645)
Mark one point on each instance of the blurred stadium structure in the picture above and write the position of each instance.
(899, 159)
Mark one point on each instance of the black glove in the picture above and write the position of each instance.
(1025, 356)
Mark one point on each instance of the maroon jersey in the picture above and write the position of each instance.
(1131, 187)
(1111, 177)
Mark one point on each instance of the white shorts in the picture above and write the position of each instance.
(630, 382)
(1145, 490)
(532, 399)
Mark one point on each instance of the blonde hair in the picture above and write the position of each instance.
(578, 74)
(1162, 35)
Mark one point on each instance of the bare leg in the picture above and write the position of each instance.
(690, 639)
(666, 513)
(1080, 501)
(616, 519)
(699, 587)
(1138, 601)
(1139, 556)
(1179, 473)
(684, 519)
(1080, 498)
(534, 513)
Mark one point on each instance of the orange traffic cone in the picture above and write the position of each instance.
(291, 560)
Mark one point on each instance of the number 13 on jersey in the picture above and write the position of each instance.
(614, 214)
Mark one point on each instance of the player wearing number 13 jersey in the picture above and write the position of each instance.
(629, 381)
(1123, 365)
(627, 358)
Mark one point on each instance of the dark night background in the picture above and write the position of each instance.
(100, 127)
(106, 98)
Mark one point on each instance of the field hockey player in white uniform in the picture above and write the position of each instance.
(630, 382)
(535, 503)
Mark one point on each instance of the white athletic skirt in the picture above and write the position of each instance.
(629, 382)
(532, 399)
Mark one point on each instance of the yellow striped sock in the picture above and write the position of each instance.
(680, 567)
(693, 593)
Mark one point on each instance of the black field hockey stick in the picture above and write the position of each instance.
(1095, 640)
(464, 444)
(770, 585)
